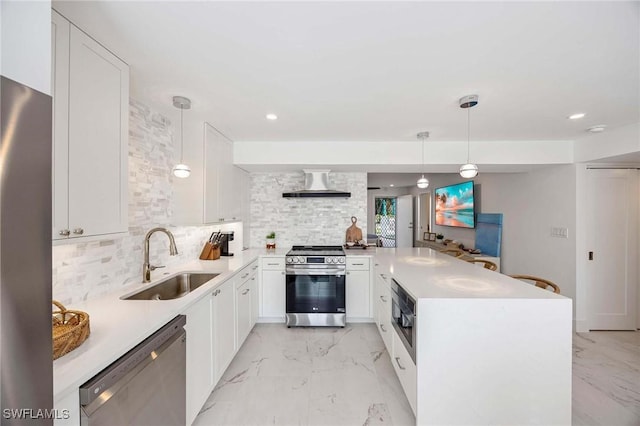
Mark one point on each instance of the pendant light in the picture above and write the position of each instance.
(468, 170)
(181, 170)
(423, 182)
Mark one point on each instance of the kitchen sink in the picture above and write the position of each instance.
(173, 287)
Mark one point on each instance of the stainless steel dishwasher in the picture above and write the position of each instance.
(146, 386)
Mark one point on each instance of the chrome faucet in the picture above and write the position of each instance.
(146, 267)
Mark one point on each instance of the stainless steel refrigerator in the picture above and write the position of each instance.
(25, 255)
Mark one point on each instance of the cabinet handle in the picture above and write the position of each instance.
(399, 365)
(376, 264)
(282, 272)
(384, 277)
(78, 231)
(244, 276)
(348, 272)
(245, 292)
(382, 328)
(65, 232)
(215, 293)
(253, 279)
(383, 299)
(272, 264)
(358, 264)
(255, 267)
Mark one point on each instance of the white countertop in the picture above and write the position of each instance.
(426, 273)
(118, 325)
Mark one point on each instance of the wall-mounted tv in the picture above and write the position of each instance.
(455, 205)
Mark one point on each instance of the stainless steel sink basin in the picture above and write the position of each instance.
(172, 288)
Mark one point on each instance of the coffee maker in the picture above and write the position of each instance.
(227, 236)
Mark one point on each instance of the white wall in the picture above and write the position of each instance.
(383, 156)
(25, 43)
(611, 143)
(322, 221)
(90, 269)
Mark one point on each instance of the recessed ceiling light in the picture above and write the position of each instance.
(391, 184)
(271, 117)
(576, 116)
(597, 129)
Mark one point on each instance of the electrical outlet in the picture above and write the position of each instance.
(559, 232)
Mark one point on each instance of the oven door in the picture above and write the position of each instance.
(403, 316)
(316, 293)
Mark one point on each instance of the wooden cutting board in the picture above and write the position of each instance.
(353, 232)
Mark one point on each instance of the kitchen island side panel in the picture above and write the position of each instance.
(494, 361)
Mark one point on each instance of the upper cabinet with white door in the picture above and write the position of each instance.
(213, 192)
(91, 125)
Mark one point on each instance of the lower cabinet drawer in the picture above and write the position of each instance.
(405, 369)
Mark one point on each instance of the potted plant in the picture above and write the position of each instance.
(271, 240)
(439, 237)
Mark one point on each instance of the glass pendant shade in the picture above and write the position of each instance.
(181, 171)
(423, 182)
(468, 171)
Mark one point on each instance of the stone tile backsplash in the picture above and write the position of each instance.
(89, 269)
(305, 220)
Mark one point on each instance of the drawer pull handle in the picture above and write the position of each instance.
(384, 277)
(383, 299)
(244, 276)
(255, 267)
(273, 264)
(382, 328)
(65, 232)
(358, 264)
(245, 292)
(399, 365)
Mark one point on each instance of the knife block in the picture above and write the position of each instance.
(210, 252)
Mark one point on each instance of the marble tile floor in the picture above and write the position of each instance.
(309, 376)
(606, 378)
(332, 376)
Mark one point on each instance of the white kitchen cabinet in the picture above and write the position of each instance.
(253, 286)
(244, 303)
(91, 126)
(358, 288)
(224, 328)
(405, 370)
(214, 192)
(383, 315)
(272, 289)
(200, 373)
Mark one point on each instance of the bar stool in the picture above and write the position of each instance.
(487, 264)
(539, 282)
(453, 252)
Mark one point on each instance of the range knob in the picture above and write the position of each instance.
(301, 259)
(341, 259)
(294, 259)
(289, 259)
(328, 260)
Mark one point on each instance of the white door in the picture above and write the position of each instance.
(404, 221)
(613, 241)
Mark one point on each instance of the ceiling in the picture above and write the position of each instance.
(379, 71)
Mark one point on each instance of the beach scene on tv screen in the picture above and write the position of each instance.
(454, 205)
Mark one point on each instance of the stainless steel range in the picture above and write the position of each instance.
(316, 286)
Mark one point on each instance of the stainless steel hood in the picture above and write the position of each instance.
(316, 185)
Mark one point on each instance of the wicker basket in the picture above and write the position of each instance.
(70, 329)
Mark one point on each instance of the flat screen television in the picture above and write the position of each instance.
(455, 205)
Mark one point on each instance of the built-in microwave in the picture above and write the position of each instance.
(403, 317)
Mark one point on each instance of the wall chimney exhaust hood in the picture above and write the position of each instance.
(316, 185)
